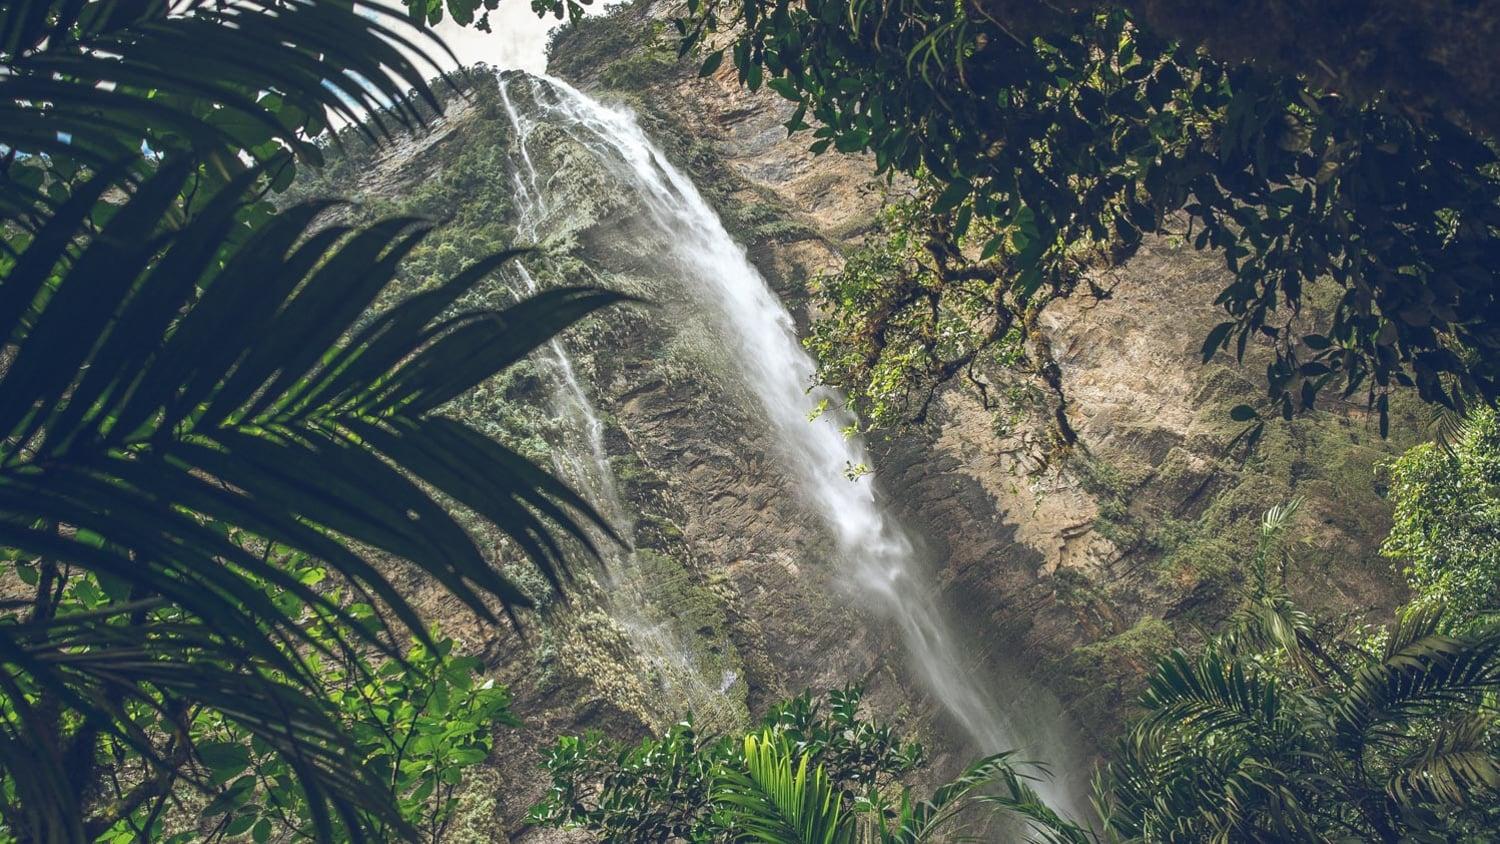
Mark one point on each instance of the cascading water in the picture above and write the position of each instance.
(584, 460)
(876, 549)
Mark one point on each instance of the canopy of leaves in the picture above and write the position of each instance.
(1089, 134)
(463, 12)
(1446, 526)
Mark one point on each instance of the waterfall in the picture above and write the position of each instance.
(877, 552)
(584, 461)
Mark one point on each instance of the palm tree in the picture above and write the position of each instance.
(1278, 732)
(189, 378)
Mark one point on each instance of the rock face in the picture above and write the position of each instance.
(1078, 568)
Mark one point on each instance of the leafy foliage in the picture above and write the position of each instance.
(776, 798)
(1049, 143)
(139, 444)
(1277, 731)
(804, 775)
(463, 11)
(668, 788)
(1395, 744)
(1446, 528)
(896, 317)
(91, 84)
(415, 723)
(195, 391)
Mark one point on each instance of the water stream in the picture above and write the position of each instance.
(584, 461)
(875, 548)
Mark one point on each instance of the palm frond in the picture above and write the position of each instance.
(1455, 767)
(242, 389)
(1182, 785)
(1210, 693)
(778, 798)
(1450, 426)
(1013, 797)
(1274, 623)
(102, 669)
(1421, 672)
(1270, 547)
(91, 81)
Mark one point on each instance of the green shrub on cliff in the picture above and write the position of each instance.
(1446, 530)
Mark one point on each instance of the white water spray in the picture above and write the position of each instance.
(876, 549)
(585, 462)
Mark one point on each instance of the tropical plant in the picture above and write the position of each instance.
(1397, 743)
(1055, 137)
(415, 722)
(190, 379)
(667, 788)
(806, 774)
(1446, 525)
(776, 798)
(1280, 730)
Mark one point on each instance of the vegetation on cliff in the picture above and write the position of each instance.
(1446, 534)
(810, 772)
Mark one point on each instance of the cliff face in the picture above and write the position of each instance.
(1075, 569)
(1084, 565)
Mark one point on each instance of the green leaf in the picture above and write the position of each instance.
(712, 63)
(242, 823)
(785, 87)
(951, 196)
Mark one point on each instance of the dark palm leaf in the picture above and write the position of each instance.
(1223, 749)
(1449, 425)
(1272, 623)
(159, 388)
(1212, 692)
(101, 664)
(1003, 788)
(89, 82)
(1455, 767)
(1420, 673)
